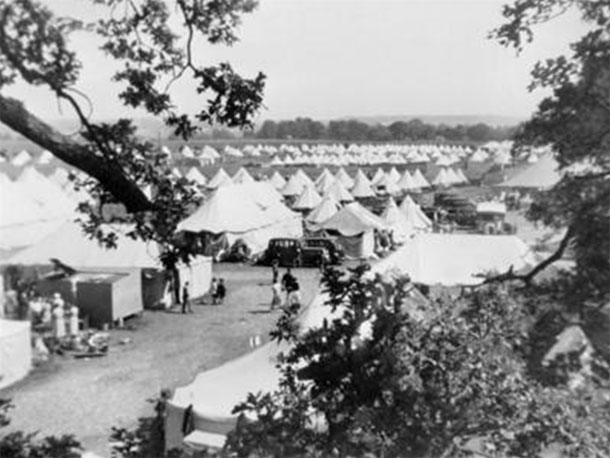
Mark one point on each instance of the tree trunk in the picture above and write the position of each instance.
(111, 176)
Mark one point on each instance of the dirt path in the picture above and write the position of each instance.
(87, 397)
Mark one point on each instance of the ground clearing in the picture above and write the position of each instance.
(87, 397)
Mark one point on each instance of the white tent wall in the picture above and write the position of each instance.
(15, 351)
(258, 239)
(361, 246)
(199, 275)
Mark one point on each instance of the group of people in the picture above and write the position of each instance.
(218, 291)
(63, 318)
(288, 284)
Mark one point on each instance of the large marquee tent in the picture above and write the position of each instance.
(252, 212)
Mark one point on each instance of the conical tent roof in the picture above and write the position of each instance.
(276, 161)
(221, 178)
(362, 187)
(242, 176)
(461, 176)
(323, 211)
(21, 158)
(479, 156)
(277, 180)
(338, 192)
(45, 157)
(186, 151)
(326, 175)
(344, 178)
(407, 182)
(420, 179)
(397, 221)
(360, 175)
(442, 179)
(379, 174)
(415, 215)
(324, 183)
(394, 175)
(294, 187)
(452, 176)
(303, 178)
(227, 210)
(308, 199)
(388, 184)
(353, 219)
(195, 175)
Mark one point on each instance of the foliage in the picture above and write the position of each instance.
(353, 130)
(379, 379)
(152, 55)
(575, 122)
(21, 445)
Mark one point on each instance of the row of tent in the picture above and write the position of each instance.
(360, 186)
(255, 212)
(329, 154)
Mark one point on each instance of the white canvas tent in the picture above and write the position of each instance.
(242, 176)
(15, 351)
(397, 222)
(72, 247)
(23, 219)
(277, 180)
(356, 228)
(308, 199)
(338, 192)
(196, 176)
(323, 211)
(415, 215)
(459, 259)
(362, 187)
(221, 178)
(252, 212)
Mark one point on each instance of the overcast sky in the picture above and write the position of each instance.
(337, 58)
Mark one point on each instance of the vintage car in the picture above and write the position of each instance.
(307, 252)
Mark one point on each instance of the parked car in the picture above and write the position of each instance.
(335, 252)
(309, 252)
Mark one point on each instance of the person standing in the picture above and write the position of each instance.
(287, 282)
(275, 269)
(73, 321)
(276, 290)
(221, 291)
(186, 302)
(59, 322)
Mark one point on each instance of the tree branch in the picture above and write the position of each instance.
(14, 115)
(529, 277)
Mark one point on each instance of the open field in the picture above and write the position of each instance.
(167, 349)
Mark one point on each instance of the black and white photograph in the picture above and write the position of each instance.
(304, 228)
